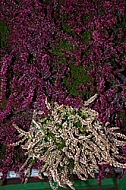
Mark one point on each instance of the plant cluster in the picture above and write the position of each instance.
(70, 141)
(66, 51)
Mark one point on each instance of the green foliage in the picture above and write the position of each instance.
(85, 18)
(3, 105)
(87, 51)
(4, 34)
(122, 116)
(82, 114)
(82, 128)
(60, 144)
(66, 28)
(58, 6)
(63, 16)
(58, 51)
(65, 45)
(2, 150)
(78, 75)
(86, 37)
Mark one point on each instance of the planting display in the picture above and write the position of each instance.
(66, 51)
(70, 141)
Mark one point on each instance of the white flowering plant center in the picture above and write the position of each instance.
(70, 141)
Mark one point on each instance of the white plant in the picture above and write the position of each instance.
(70, 141)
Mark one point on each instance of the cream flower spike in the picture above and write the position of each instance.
(71, 141)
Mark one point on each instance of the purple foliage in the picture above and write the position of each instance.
(30, 71)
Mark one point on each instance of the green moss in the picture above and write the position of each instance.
(85, 18)
(52, 80)
(4, 34)
(86, 37)
(58, 51)
(78, 75)
(87, 51)
(2, 150)
(58, 6)
(61, 45)
(65, 45)
(66, 28)
(63, 16)
(3, 105)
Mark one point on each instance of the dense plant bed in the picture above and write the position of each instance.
(69, 141)
(66, 52)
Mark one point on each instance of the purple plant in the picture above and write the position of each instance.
(35, 62)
